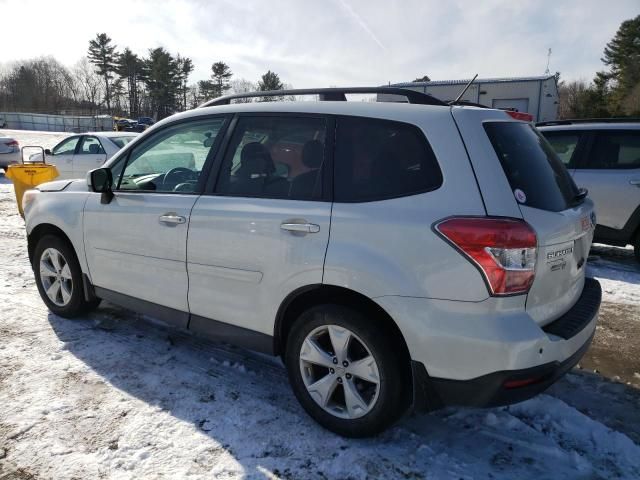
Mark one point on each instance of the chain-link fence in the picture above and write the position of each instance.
(55, 123)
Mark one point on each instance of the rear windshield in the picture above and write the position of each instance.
(536, 174)
(121, 141)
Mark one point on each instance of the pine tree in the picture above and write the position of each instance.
(102, 53)
(128, 67)
(270, 81)
(220, 77)
(622, 56)
(185, 67)
(163, 80)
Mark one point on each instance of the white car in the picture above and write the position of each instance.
(9, 152)
(604, 157)
(76, 155)
(393, 254)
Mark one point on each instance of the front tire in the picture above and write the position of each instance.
(345, 372)
(59, 277)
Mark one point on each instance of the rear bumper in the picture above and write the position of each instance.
(512, 386)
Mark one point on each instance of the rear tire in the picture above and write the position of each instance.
(59, 278)
(345, 372)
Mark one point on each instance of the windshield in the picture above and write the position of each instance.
(537, 176)
(121, 141)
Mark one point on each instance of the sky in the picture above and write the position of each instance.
(319, 43)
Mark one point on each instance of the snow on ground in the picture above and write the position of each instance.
(113, 396)
(618, 272)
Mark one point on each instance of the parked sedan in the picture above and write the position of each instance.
(9, 152)
(76, 155)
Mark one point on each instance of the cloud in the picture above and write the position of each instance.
(359, 20)
(343, 42)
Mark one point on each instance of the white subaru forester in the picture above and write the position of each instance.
(395, 255)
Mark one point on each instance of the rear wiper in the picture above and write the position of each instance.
(581, 195)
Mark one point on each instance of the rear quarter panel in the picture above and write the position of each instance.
(388, 247)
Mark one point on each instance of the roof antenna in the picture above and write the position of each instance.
(464, 90)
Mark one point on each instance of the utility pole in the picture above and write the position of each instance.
(546, 72)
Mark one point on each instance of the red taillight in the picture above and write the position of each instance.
(525, 117)
(12, 143)
(503, 249)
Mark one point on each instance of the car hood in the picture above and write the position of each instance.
(79, 185)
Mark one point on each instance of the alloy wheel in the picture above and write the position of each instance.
(55, 277)
(339, 371)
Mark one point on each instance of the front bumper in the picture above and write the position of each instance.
(512, 386)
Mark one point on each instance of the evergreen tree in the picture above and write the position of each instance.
(270, 81)
(185, 67)
(102, 53)
(128, 67)
(622, 56)
(163, 81)
(221, 77)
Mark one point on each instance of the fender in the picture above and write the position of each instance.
(63, 210)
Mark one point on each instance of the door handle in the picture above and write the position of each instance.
(635, 182)
(300, 227)
(172, 218)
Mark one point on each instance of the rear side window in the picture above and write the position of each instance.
(379, 159)
(564, 144)
(615, 150)
(532, 166)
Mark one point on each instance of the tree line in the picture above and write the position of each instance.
(108, 81)
(614, 92)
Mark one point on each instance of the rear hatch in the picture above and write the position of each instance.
(530, 182)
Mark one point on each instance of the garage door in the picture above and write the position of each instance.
(519, 104)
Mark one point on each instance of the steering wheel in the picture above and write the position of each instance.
(180, 173)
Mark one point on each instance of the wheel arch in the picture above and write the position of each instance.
(306, 297)
(40, 231)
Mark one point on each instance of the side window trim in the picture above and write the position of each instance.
(214, 170)
(205, 168)
(327, 175)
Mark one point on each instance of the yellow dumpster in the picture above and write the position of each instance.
(29, 175)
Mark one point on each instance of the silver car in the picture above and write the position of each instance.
(9, 152)
(394, 255)
(604, 157)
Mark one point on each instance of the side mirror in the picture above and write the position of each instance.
(47, 151)
(101, 180)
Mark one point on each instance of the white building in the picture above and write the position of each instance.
(535, 95)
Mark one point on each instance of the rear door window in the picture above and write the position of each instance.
(564, 144)
(615, 150)
(90, 146)
(379, 159)
(532, 166)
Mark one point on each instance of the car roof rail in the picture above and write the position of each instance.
(332, 94)
(571, 121)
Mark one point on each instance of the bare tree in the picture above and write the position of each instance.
(87, 82)
(242, 85)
